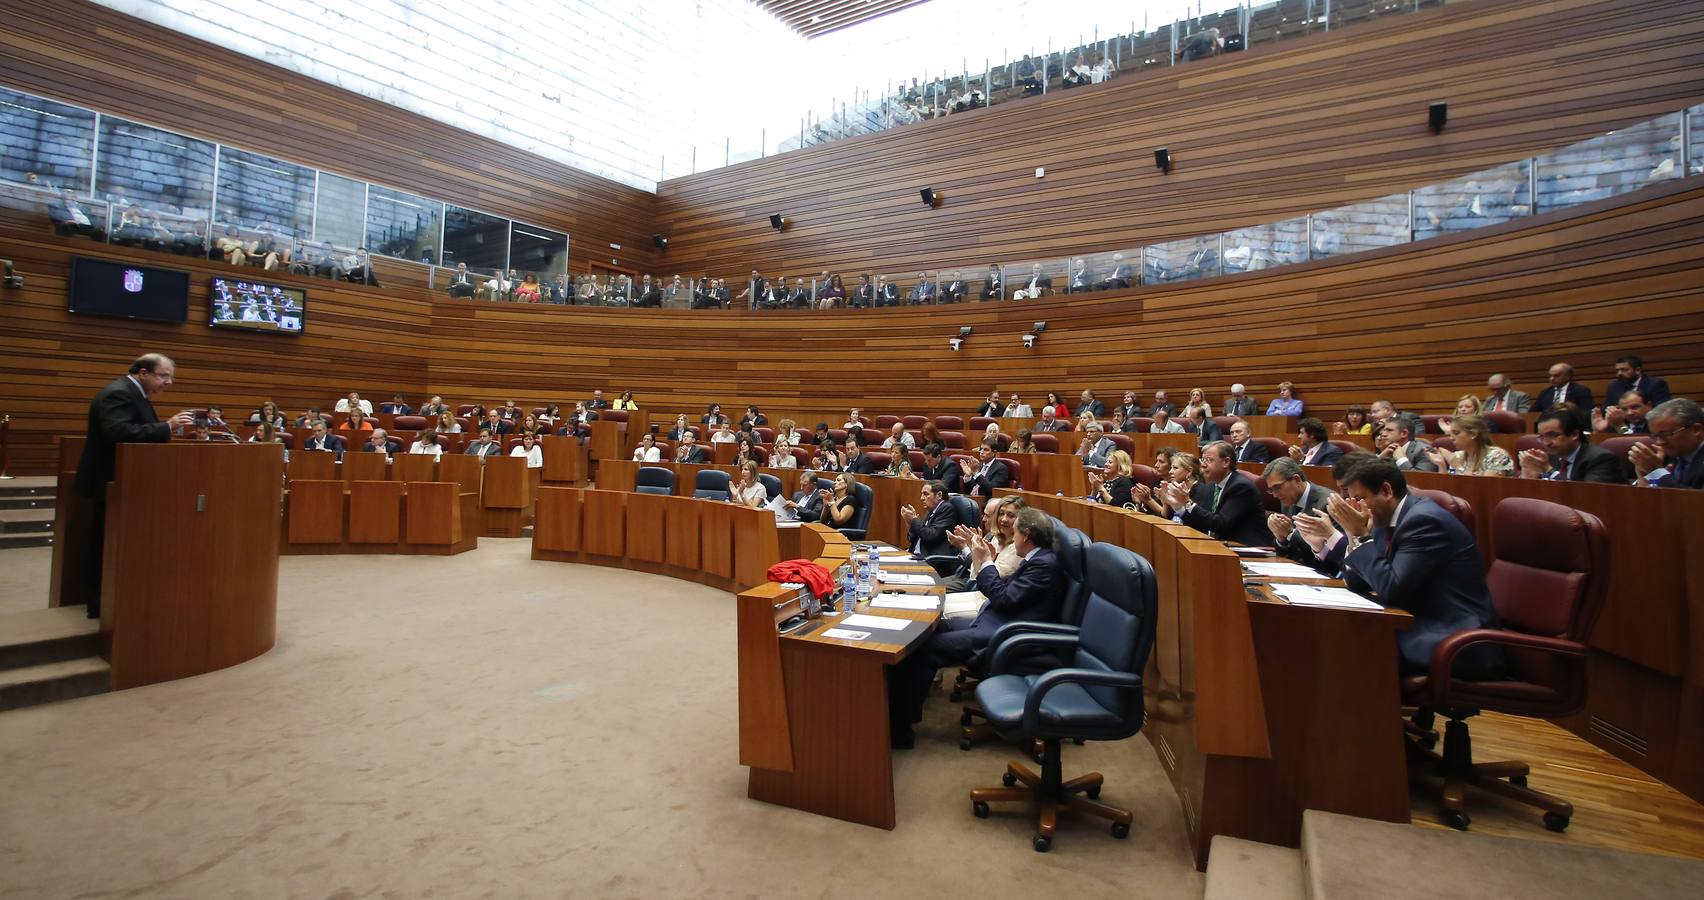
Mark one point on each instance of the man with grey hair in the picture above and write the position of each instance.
(1504, 398)
(1296, 496)
(1403, 448)
(1096, 446)
(1223, 505)
(1677, 459)
(1240, 403)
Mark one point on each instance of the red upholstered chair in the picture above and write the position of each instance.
(1429, 424)
(1346, 446)
(453, 443)
(465, 422)
(951, 423)
(1620, 444)
(1505, 422)
(1143, 424)
(1268, 500)
(509, 444)
(916, 438)
(864, 421)
(914, 422)
(1444, 443)
(1527, 442)
(953, 440)
(959, 459)
(1455, 506)
(539, 411)
(613, 415)
(881, 458)
(409, 423)
(838, 435)
(1147, 475)
(1124, 442)
(1275, 447)
(977, 423)
(1001, 442)
(886, 422)
(1045, 443)
(287, 439)
(1548, 583)
(665, 450)
(1017, 469)
(1225, 423)
(801, 456)
(464, 409)
(917, 462)
(764, 433)
(762, 454)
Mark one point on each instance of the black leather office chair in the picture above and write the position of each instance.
(860, 519)
(771, 485)
(1098, 698)
(711, 484)
(654, 480)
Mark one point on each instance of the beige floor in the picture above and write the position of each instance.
(485, 725)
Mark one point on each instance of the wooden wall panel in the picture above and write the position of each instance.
(1277, 131)
(84, 54)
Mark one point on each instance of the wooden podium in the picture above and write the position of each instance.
(190, 565)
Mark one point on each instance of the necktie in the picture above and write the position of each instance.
(1217, 489)
(1561, 394)
(1680, 469)
(1562, 470)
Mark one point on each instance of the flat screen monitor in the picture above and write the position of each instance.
(254, 306)
(103, 287)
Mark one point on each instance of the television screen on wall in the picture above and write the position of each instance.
(254, 306)
(104, 287)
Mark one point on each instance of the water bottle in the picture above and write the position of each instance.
(875, 561)
(848, 590)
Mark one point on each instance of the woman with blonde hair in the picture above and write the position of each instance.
(1466, 405)
(1185, 470)
(447, 424)
(1112, 483)
(1474, 454)
(749, 491)
(1197, 400)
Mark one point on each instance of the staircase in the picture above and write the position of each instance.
(47, 655)
(1346, 858)
(26, 511)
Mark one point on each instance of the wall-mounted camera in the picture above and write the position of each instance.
(13, 280)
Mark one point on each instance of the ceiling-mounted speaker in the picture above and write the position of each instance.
(661, 242)
(930, 198)
(776, 222)
(1436, 115)
(1163, 160)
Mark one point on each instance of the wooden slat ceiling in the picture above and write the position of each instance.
(814, 18)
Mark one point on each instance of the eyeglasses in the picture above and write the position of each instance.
(1670, 433)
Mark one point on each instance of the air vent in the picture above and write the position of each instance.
(1166, 755)
(1621, 737)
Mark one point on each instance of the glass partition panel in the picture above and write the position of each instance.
(677, 292)
(538, 250)
(618, 290)
(1361, 226)
(1183, 260)
(479, 239)
(155, 168)
(952, 286)
(264, 194)
(1695, 139)
(1055, 71)
(340, 211)
(1615, 163)
(74, 216)
(1483, 198)
(1027, 75)
(1264, 246)
(408, 227)
(45, 145)
(1033, 278)
(1107, 271)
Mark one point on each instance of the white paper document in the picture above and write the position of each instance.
(911, 578)
(1284, 569)
(778, 505)
(1254, 551)
(883, 622)
(920, 603)
(1313, 595)
(845, 635)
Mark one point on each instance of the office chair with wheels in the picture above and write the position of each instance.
(1098, 697)
(1548, 583)
(654, 480)
(711, 484)
(969, 513)
(771, 485)
(860, 519)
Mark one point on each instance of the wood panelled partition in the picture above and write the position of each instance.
(81, 53)
(1277, 131)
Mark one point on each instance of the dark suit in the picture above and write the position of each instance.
(991, 288)
(1427, 564)
(1655, 390)
(991, 409)
(1590, 463)
(1095, 406)
(953, 292)
(1692, 478)
(1252, 451)
(119, 414)
(987, 478)
(1575, 393)
(489, 448)
(809, 508)
(947, 473)
(1247, 406)
(1238, 516)
(1324, 454)
(330, 442)
(1120, 277)
(1296, 547)
(888, 295)
(693, 454)
(927, 534)
(1414, 454)
(863, 465)
(1209, 432)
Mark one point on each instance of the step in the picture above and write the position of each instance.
(26, 521)
(28, 539)
(28, 485)
(50, 635)
(1247, 870)
(53, 682)
(28, 501)
(1425, 864)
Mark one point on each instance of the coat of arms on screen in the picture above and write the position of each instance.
(133, 280)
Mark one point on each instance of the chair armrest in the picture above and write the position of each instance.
(1049, 681)
(1444, 655)
(1011, 649)
(1021, 627)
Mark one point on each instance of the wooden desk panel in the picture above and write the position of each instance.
(605, 531)
(1078, 514)
(316, 512)
(565, 461)
(557, 526)
(680, 533)
(358, 466)
(607, 440)
(1053, 473)
(887, 496)
(619, 474)
(312, 465)
(506, 483)
(375, 512)
(414, 467)
(463, 470)
(756, 545)
(716, 538)
(647, 532)
(1272, 426)
(432, 516)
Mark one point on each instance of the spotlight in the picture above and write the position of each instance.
(13, 280)
(661, 242)
(1436, 115)
(955, 343)
(776, 222)
(930, 198)
(1039, 327)
(1029, 340)
(1163, 160)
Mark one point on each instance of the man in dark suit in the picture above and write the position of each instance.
(324, 440)
(380, 442)
(1132, 409)
(1224, 504)
(924, 292)
(857, 461)
(926, 532)
(1567, 454)
(992, 407)
(121, 414)
(887, 293)
(981, 480)
(1409, 553)
(1244, 449)
(1032, 594)
(992, 285)
(461, 284)
(1086, 402)
(1240, 403)
(1297, 496)
(485, 446)
(1630, 415)
(362, 271)
(1677, 459)
(1050, 422)
(397, 406)
(1039, 284)
(807, 500)
(1563, 389)
(1206, 430)
(1160, 402)
(597, 401)
(1082, 278)
(1119, 277)
(1403, 448)
(1314, 447)
(864, 295)
(953, 289)
(1503, 397)
(752, 418)
(1630, 376)
(690, 451)
(936, 467)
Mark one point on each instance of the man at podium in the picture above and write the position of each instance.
(122, 413)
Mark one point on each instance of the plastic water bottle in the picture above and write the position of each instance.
(848, 589)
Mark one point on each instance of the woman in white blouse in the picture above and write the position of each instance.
(447, 424)
(427, 445)
(529, 448)
(647, 451)
(749, 491)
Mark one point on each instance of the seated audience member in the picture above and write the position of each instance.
(899, 440)
(307, 419)
(1179, 468)
(752, 418)
(1563, 389)
(509, 412)
(529, 448)
(1163, 423)
(1411, 554)
(1245, 450)
(747, 490)
(552, 414)
(800, 296)
(724, 433)
(1355, 420)
(1111, 484)
(828, 457)
(854, 419)
(1023, 442)
(351, 402)
(447, 424)
(1163, 460)
(426, 444)
(1197, 403)
(1119, 277)
(927, 531)
(361, 270)
(1130, 407)
(485, 446)
(216, 419)
(992, 433)
(680, 429)
(591, 293)
(833, 294)
(322, 439)
(1222, 505)
(923, 292)
(992, 285)
(1379, 412)
(1201, 45)
(1313, 448)
(936, 467)
(787, 432)
(1466, 405)
(647, 451)
(357, 421)
(1568, 455)
(1398, 444)
(806, 502)
(887, 293)
(1016, 408)
(1474, 454)
(1503, 397)
(1240, 403)
(494, 420)
(954, 289)
(268, 414)
(856, 461)
(713, 416)
(625, 402)
(1050, 422)
(1096, 446)
(1630, 375)
(899, 466)
(746, 450)
(690, 451)
(1286, 403)
(982, 478)
(864, 295)
(267, 433)
(1629, 416)
(529, 290)
(397, 406)
(1082, 277)
(777, 295)
(1675, 458)
(380, 442)
(1161, 403)
(1039, 284)
(69, 217)
(1057, 403)
(1086, 403)
(435, 407)
(992, 407)
(999, 527)
(1206, 430)
(579, 422)
(1032, 593)
(1296, 496)
(461, 284)
(231, 248)
(840, 506)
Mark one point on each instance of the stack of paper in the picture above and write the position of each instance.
(1254, 551)
(1279, 570)
(920, 603)
(909, 578)
(846, 635)
(1312, 595)
(887, 623)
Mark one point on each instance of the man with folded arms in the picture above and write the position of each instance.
(1567, 454)
(1222, 505)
